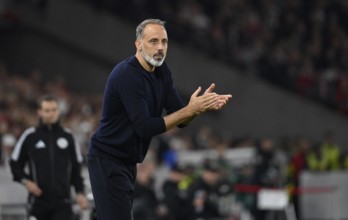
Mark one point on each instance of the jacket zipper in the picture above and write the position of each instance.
(51, 148)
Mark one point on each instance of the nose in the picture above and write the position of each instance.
(161, 46)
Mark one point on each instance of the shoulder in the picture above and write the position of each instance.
(125, 72)
(28, 132)
(126, 66)
(26, 136)
(68, 132)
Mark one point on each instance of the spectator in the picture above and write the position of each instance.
(345, 161)
(266, 171)
(330, 152)
(245, 178)
(175, 198)
(315, 159)
(204, 192)
(297, 164)
(268, 38)
(146, 205)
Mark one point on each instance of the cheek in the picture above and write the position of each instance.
(56, 115)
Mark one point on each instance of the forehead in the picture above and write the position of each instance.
(49, 104)
(154, 31)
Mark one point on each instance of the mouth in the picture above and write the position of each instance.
(158, 56)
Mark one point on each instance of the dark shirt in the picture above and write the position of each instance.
(179, 205)
(134, 100)
(211, 195)
(145, 202)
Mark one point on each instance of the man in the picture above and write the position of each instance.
(175, 197)
(204, 192)
(137, 91)
(54, 161)
(146, 205)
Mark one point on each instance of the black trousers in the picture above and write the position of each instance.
(51, 210)
(112, 184)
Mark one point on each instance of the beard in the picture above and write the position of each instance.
(152, 60)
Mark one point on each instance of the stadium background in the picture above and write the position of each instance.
(69, 48)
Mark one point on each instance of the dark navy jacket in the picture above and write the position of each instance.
(133, 103)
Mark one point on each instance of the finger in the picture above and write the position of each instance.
(195, 94)
(217, 105)
(37, 192)
(228, 96)
(222, 100)
(212, 102)
(210, 89)
(209, 98)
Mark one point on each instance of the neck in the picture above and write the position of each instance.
(48, 126)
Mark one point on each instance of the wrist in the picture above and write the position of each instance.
(191, 112)
(24, 181)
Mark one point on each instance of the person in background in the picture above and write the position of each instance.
(297, 164)
(344, 161)
(266, 172)
(330, 152)
(175, 196)
(54, 160)
(146, 205)
(204, 192)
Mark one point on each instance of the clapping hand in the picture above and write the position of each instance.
(221, 99)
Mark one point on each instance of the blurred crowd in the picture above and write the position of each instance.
(300, 45)
(214, 188)
(19, 92)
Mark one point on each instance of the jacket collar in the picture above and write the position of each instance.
(45, 127)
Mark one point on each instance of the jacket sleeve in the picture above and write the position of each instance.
(19, 157)
(76, 157)
(173, 101)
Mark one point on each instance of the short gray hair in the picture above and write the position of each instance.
(140, 29)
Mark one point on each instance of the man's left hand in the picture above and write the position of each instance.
(81, 201)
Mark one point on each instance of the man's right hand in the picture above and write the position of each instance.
(32, 187)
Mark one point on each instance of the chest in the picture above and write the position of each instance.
(155, 93)
(49, 146)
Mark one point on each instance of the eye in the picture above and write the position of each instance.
(153, 41)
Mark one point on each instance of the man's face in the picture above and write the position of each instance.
(154, 44)
(48, 112)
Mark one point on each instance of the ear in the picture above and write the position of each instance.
(138, 45)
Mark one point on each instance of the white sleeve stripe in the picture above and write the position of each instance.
(78, 151)
(79, 157)
(18, 147)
